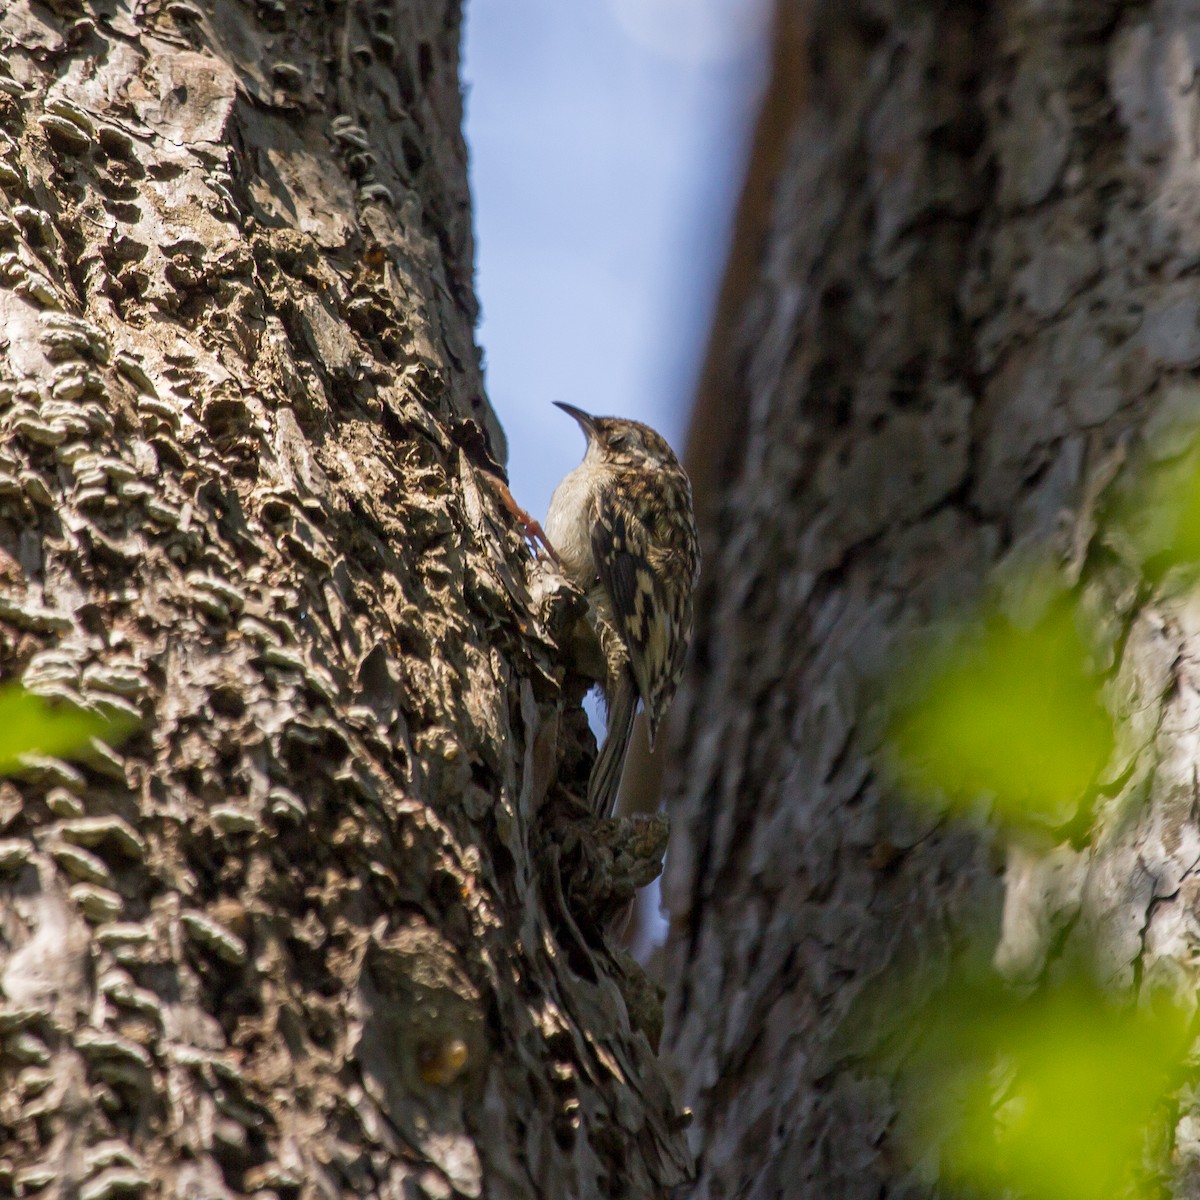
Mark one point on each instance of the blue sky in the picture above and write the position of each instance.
(606, 141)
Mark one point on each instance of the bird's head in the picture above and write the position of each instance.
(621, 442)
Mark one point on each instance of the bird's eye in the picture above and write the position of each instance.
(617, 441)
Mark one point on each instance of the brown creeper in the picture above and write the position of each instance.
(622, 526)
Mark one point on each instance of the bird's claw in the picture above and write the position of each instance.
(534, 533)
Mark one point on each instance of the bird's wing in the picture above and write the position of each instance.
(621, 550)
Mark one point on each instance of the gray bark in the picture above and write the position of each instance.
(976, 293)
(326, 926)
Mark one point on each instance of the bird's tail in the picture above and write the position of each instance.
(606, 774)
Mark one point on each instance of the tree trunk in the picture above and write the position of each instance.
(327, 924)
(975, 290)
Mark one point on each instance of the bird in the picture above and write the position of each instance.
(624, 532)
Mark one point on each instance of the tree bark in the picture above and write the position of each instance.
(327, 924)
(975, 293)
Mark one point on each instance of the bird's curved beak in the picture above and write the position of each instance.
(586, 422)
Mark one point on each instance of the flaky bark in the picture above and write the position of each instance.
(977, 290)
(327, 924)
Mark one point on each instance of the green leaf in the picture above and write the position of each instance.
(1160, 513)
(1058, 1096)
(1006, 711)
(30, 724)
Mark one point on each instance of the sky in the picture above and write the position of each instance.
(607, 141)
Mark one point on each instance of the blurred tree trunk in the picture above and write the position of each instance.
(327, 925)
(975, 288)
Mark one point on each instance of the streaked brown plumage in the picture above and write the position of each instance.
(622, 526)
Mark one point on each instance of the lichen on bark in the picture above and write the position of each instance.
(317, 947)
